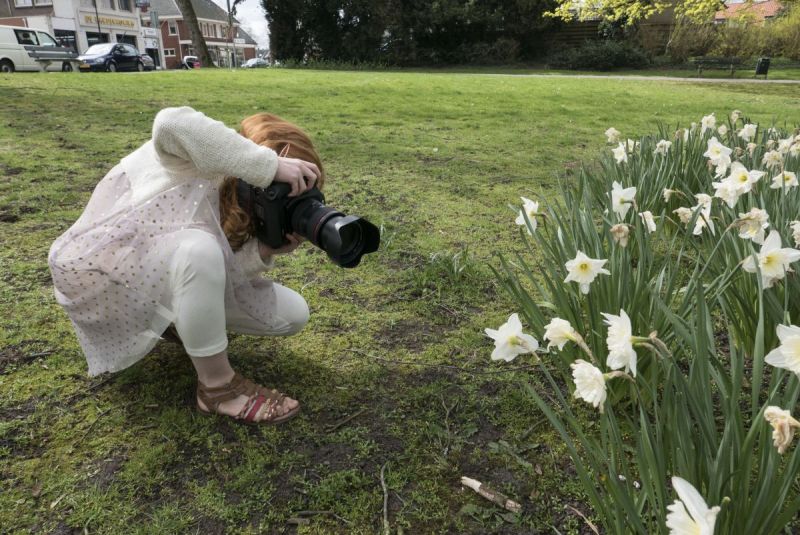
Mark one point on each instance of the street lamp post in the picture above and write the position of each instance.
(97, 20)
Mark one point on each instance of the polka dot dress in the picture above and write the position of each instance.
(111, 269)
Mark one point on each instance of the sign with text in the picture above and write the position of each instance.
(109, 21)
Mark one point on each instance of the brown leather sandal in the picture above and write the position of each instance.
(257, 394)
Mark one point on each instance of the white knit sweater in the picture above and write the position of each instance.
(187, 144)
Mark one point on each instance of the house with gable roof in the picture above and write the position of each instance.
(225, 49)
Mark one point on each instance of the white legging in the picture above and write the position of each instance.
(198, 283)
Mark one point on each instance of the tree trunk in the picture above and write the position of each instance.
(199, 44)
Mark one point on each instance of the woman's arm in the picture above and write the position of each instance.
(183, 134)
(251, 261)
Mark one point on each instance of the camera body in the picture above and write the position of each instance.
(345, 238)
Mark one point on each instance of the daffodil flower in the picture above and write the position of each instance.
(722, 130)
(649, 222)
(620, 153)
(735, 114)
(690, 515)
(707, 123)
(719, 155)
(773, 261)
(684, 214)
(620, 343)
(620, 233)
(783, 426)
(728, 191)
(613, 135)
(558, 332)
(621, 199)
(748, 132)
(531, 209)
(753, 224)
(584, 270)
(510, 341)
(590, 383)
(786, 355)
(786, 179)
(662, 147)
(772, 159)
(743, 178)
(785, 144)
(795, 226)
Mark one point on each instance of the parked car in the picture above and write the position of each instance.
(149, 64)
(254, 63)
(190, 62)
(29, 49)
(111, 57)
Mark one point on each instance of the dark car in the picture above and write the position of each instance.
(111, 57)
(147, 61)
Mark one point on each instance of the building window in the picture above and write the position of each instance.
(173, 28)
(93, 38)
(169, 52)
(124, 5)
(216, 31)
(43, 2)
(66, 38)
(105, 4)
(23, 3)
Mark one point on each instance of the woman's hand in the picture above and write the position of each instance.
(299, 174)
(294, 241)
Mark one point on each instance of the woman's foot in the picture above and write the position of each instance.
(242, 399)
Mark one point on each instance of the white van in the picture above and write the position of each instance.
(29, 49)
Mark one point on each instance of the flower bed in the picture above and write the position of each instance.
(664, 288)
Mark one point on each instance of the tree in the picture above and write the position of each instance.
(199, 44)
(632, 11)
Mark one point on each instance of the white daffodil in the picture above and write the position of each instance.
(620, 343)
(620, 233)
(751, 148)
(632, 145)
(722, 130)
(744, 179)
(795, 226)
(735, 114)
(786, 179)
(785, 144)
(667, 193)
(719, 155)
(510, 341)
(649, 222)
(753, 225)
(770, 143)
(620, 154)
(531, 209)
(783, 426)
(621, 199)
(786, 355)
(584, 270)
(590, 383)
(703, 220)
(690, 515)
(748, 132)
(704, 200)
(684, 214)
(794, 150)
(662, 147)
(728, 191)
(707, 123)
(773, 261)
(772, 159)
(558, 332)
(613, 135)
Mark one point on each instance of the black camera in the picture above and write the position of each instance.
(346, 238)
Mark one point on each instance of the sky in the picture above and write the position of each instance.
(251, 15)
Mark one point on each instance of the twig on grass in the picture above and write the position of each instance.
(331, 513)
(492, 495)
(86, 433)
(343, 421)
(386, 528)
(588, 522)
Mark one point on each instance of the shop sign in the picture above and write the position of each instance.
(150, 43)
(149, 32)
(109, 21)
(238, 41)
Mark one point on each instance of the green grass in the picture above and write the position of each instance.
(397, 342)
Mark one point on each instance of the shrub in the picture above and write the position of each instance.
(689, 39)
(600, 56)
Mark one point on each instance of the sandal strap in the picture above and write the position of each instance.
(241, 386)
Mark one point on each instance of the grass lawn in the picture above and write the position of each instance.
(393, 370)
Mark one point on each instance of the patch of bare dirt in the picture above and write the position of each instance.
(22, 353)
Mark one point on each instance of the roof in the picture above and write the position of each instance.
(204, 9)
(246, 36)
(758, 10)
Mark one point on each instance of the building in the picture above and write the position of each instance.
(78, 23)
(756, 11)
(213, 21)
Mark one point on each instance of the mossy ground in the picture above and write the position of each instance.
(396, 344)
